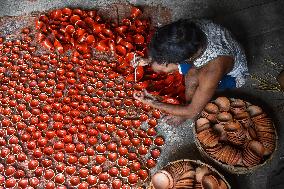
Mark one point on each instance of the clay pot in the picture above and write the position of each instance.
(214, 150)
(254, 110)
(202, 124)
(251, 133)
(253, 153)
(224, 117)
(222, 184)
(162, 180)
(135, 12)
(238, 106)
(187, 174)
(211, 108)
(198, 185)
(280, 79)
(178, 169)
(210, 116)
(219, 128)
(210, 182)
(185, 182)
(244, 119)
(235, 133)
(223, 104)
(238, 123)
(265, 131)
(228, 155)
(208, 138)
(232, 126)
(201, 172)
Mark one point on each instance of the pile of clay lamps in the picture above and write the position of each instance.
(70, 121)
(235, 134)
(82, 31)
(188, 174)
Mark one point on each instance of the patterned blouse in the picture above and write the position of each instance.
(221, 42)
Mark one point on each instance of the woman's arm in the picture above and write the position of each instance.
(209, 77)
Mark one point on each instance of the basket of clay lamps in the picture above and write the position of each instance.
(235, 134)
(191, 174)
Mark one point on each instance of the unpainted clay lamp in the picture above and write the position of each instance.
(163, 180)
(280, 79)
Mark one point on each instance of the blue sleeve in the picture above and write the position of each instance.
(184, 68)
(227, 82)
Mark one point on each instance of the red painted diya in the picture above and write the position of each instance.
(82, 31)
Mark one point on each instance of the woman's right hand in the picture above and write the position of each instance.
(140, 61)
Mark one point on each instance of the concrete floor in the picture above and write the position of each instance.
(258, 24)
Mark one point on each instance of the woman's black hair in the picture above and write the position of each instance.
(175, 42)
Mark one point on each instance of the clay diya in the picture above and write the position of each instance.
(280, 79)
(188, 174)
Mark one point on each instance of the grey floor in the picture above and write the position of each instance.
(258, 24)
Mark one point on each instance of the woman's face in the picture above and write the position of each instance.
(167, 68)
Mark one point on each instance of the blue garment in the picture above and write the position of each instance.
(227, 82)
(184, 68)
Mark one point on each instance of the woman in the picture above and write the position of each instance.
(205, 53)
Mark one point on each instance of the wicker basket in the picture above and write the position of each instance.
(196, 163)
(230, 168)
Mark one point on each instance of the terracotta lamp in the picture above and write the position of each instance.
(280, 79)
